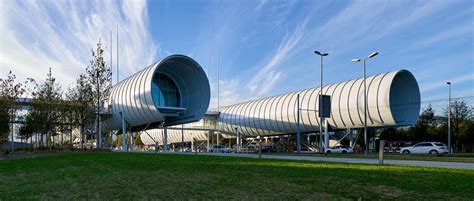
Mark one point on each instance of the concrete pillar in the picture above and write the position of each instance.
(351, 137)
(239, 141)
(381, 149)
(182, 137)
(259, 146)
(208, 141)
(165, 139)
(124, 134)
(132, 139)
(326, 135)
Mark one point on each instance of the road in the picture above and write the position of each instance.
(454, 165)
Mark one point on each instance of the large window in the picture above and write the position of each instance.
(165, 92)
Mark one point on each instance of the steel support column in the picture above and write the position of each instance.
(208, 141)
(165, 139)
(298, 134)
(326, 135)
(124, 134)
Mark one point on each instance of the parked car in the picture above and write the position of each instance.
(339, 150)
(186, 149)
(425, 148)
(268, 148)
(220, 149)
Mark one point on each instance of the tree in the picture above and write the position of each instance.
(80, 98)
(461, 117)
(10, 91)
(26, 130)
(469, 141)
(68, 110)
(100, 79)
(424, 122)
(138, 140)
(44, 115)
(4, 119)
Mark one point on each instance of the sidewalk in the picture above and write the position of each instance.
(454, 165)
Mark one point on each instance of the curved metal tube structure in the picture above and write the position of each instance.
(174, 136)
(152, 136)
(172, 91)
(393, 100)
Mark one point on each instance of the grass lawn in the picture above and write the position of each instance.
(166, 176)
(462, 157)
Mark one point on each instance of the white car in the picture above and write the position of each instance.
(220, 149)
(339, 150)
(425, 148)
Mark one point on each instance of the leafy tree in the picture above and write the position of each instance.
(80, 99)
(469, 130)
(10, 91)
(425, 121)
(26, 130)
(69, 110)
(118, 141)
(44, 115)
(100, 79)
(4, 119)
(461, 117)
(138, 140)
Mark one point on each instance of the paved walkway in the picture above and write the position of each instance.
(454, 165)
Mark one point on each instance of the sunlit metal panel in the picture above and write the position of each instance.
(393, 100)
(133, 96)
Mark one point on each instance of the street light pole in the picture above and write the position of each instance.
(365, 111)
(365, 99)
(449, 118)
(321, 119)
(298, 134)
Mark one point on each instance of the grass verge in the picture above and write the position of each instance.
(168, 176)
(463, 158)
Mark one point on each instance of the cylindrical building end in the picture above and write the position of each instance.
(172, 91)
(404, 98)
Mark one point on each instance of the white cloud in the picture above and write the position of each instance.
(229, 93)
(454, 80)
(450, 33)
(270, 81)
(363, 22)
(259, 83)
(260, 5)
(37, 35)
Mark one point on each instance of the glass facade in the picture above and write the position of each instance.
(164, 91)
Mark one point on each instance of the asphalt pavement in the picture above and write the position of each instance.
(454, 165)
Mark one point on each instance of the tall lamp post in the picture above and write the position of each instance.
(365, 98)
(449, 118)
(319, 110)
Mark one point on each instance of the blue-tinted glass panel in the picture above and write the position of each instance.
(164, 91)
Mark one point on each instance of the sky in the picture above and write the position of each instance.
(263, 48)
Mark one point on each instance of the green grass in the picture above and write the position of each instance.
(463, 157)
(168, 176)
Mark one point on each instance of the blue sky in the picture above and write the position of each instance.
(265, 47)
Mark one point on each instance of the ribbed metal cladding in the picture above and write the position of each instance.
(133, 97)
(153, 136)
(176, 135)
(393, 100)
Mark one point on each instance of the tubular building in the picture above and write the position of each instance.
(393, 101)
(172, 91)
